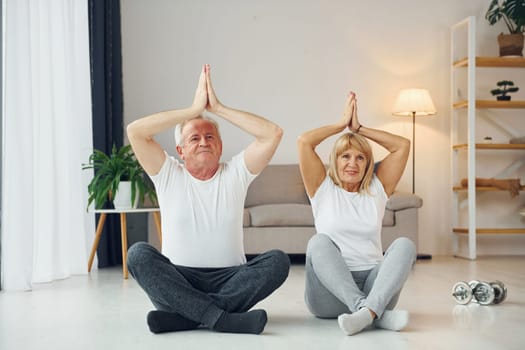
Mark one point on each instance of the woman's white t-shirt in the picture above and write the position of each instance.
(352, 220)
(202, 220)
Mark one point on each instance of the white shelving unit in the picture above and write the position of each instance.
(466, 66)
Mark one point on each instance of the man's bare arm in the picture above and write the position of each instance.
(267, 134)
(141, 131)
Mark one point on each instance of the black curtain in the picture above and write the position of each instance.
(107, 106)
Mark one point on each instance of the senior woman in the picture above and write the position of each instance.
(347, 275)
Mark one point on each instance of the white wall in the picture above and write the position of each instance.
(294, 61)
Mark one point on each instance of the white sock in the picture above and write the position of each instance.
(356, 322)
(394, 320)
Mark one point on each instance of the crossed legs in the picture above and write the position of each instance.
(332, 290)
(217, 298)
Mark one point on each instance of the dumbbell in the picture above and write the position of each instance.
(485, 293)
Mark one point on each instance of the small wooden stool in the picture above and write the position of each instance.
(123, 231)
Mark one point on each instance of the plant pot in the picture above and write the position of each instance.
(510, 44)
(503, 98)
(123, 196)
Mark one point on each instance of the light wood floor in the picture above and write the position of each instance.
(102, 311)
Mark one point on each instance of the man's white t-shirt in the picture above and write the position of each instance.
(352, 220)
(202, 220)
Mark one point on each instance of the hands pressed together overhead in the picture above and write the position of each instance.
(349, 118)
(205, 98)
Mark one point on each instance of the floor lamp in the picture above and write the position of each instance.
(412, 103)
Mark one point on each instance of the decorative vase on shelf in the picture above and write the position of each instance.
(510, 45)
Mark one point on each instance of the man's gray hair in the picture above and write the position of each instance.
(178, 134)
(178, 128)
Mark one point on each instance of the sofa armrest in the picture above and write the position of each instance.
(404, 200)
(406, 225)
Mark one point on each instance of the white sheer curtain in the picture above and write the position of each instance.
(46, 231)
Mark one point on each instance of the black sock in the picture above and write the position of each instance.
(247, 322)
(163, 321)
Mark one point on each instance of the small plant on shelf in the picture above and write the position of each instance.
(504, 87)
(512, 13)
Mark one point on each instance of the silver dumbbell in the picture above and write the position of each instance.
(481, 292)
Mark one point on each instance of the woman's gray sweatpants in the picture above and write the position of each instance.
(203, 294)
(332, 289)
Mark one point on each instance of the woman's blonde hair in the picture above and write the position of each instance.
(356, 142)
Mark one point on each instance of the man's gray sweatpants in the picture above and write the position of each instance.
(203, 294)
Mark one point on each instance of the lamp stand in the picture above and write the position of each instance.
(413, 152)
(420, 256)
(414, 102)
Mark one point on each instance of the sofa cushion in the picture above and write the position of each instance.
(277, 184)
(401, 200)
(281, 215)
(246, 222)
(388, 219)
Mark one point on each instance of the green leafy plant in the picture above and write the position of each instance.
(110, 170)
(512, 12)
(505, 87)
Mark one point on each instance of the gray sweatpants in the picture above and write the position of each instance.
(203, 294)
(332, 289)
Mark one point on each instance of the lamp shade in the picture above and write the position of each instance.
(411, 102)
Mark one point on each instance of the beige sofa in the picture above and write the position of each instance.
(278, 215)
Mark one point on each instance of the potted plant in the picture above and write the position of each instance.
(111, 171)
(505, 87)
(512, 12)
